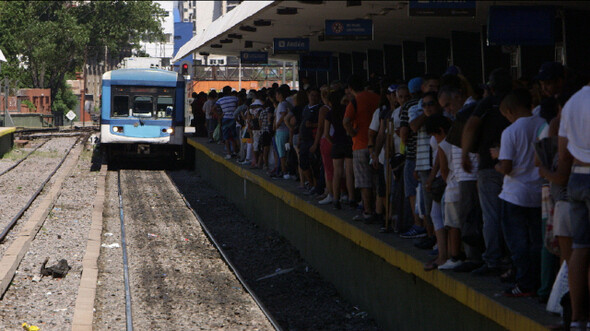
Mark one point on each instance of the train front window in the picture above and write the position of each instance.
(120, 105)
(143, 106)
(165, 106)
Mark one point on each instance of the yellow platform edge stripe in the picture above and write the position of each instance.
(466, 295)
(7, 130)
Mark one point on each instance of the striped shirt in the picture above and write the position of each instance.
(228, 105)
(405, 122)
(424, 154)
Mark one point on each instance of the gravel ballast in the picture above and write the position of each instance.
(49, 302)
(293, 291)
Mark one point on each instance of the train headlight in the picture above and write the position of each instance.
(168, 130)
(118, 129)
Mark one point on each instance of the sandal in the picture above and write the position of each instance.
(432, 265)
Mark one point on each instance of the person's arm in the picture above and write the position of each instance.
(288, 122)
(347, 121)
(327, 129)
(504, 167)
(468, 141)
(432, 176)
(417, 123)
(444, 165)
(320, 131)
(380, 139)
(564, 165)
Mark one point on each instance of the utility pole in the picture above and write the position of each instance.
(83, 90)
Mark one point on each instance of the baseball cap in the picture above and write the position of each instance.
(257, 102)
(392, 88)
(415, 84)
(550, 71)
(453, 70)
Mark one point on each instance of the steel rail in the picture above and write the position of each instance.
(36, 194)
(227, 261)
(24, 158)
(129, 317)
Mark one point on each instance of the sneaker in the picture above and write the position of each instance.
(228, 156)
(579, 326)
(327, 200)
(450, 264)
(516, 292)
(426, 243)
(414, 232)
(286, 176)
(484, 270)
(384, 229)
(343, 198)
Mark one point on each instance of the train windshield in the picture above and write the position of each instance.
(145, 102)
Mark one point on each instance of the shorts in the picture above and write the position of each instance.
(341, 151)
(265, 139)
(228, 128)
(452, 211)
(410, 183)
(363, 175)
(562, 225)
(423, 175)
(281, 138)
(578, 189)
(304, 157)
(256, 135)
(325, 149)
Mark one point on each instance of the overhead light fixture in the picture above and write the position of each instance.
(311, 2)
(247, 28)
(262, 23)
(248, 44)
(353, 3)
(204, 54)
(216, 46)
(234, 36)
(286, 11)
(226, 41)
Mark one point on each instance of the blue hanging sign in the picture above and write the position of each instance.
(254, 57)
(455, 8)
(291, 45)
(349, 30)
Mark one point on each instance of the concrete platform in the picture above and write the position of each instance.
(381, 272)
(6, 139)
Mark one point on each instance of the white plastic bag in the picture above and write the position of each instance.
(560, 288)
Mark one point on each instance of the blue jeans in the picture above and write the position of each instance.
(522, 230)
(578, 190)
(489, 186)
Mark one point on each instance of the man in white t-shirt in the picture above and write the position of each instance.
(574, 142)
(521, 191)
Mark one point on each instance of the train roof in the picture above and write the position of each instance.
(145, 77)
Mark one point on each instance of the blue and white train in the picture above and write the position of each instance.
(142, 112)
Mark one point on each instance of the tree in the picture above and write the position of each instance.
(65, 100)
(45, 40)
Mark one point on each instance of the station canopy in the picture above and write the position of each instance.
(392, 24)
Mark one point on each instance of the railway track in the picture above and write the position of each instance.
(5, 171)
(8, 227)
(173, 272)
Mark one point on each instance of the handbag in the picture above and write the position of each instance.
(217, 133)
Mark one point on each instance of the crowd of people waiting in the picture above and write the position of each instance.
(491, 179)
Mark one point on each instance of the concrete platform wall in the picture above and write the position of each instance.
(6, 140)
(396, 299)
